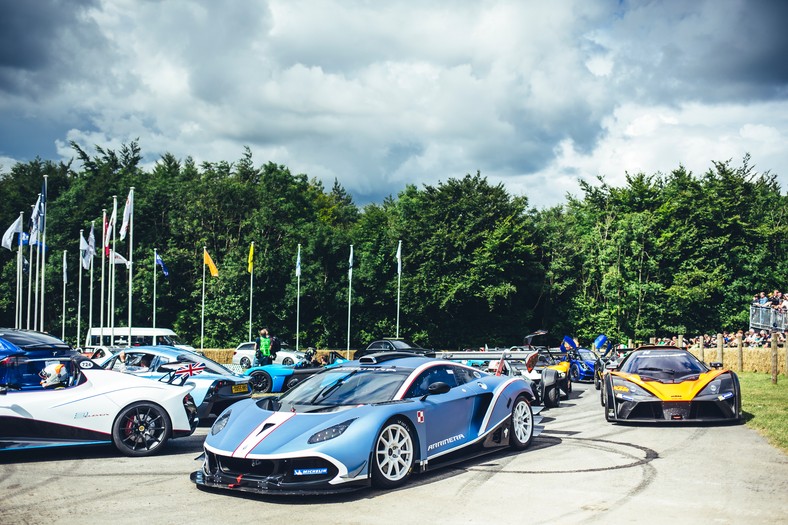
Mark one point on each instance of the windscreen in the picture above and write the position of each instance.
(347, 386)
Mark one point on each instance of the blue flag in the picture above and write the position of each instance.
(160, 262)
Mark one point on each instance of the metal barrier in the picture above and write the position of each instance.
(767, 318)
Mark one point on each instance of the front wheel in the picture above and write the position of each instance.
(393, 455)
(261, 381)
(522, 426)
(574, 373)
(551, 396)
(245, 363)
(597, 383)
(141, 429)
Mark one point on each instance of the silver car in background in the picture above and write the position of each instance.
(244, 355)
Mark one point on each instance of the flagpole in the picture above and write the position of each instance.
(251, 286)
(155, 252)
(18, 317)
(29, 278)
(44, 254)
(103, 277)
(65, 280)
(112, 271)
(399, 281)
(131, 253)
(298, 293)
(202, 316)
(39, 244)
(79, 297)
(92, 254)
(349, 289)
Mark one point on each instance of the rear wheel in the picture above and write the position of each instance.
(393, 455)
(261, 381)
(522, 426)
(597, 383)
(245, 363)
(141, 429)
(287, 361)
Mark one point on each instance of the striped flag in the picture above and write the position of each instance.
(298, 262)
(350, 264)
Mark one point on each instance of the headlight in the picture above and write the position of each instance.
(630, 391)
(220, 423)
(721, 386)
(330, 432)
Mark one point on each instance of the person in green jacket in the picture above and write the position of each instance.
(262, 347)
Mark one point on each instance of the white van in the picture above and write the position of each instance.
(139, 337)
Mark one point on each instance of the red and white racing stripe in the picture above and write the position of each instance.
(275, 420)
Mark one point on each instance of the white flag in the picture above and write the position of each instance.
(84, 252)
(350, 263)
(119, 259)
(399, 258)
(8, 236)
(35, 218)
(128, 213)
(65, 268)
(111, 224)
(298, 262)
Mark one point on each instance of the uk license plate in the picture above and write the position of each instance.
(240, 389)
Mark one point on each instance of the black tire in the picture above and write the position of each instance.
(574, 372)
(551, 396)
(245, 362)
(597, 382)
(141, 429)
(608, 402)
(261, 381)
(568, 387)
(522, 424)
(393, 455)
(288, 361)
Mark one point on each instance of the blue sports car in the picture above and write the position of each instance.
(279, 378)
(372, 421)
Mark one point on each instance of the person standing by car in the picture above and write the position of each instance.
(262, 348)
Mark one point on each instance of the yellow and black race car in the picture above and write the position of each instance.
(668, 384)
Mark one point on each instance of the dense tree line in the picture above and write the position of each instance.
(664, 254)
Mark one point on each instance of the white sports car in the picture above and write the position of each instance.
(96, 406)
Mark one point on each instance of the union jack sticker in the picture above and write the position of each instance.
(190, 370)
(420, 416)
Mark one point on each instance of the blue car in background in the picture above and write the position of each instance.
(280, 378)
(582, 360)
(23, 354)
(215, 386)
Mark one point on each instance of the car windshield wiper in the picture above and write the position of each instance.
(330, 388)
(655, 369)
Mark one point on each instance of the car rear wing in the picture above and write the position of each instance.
(492, 355)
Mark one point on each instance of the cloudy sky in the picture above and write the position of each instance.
(379, 94)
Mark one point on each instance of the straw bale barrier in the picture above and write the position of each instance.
(753, 359)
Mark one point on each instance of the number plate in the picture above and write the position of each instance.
(240, 389)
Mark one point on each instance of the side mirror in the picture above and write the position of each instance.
(716, 365)
(438, 387)
(611, 366)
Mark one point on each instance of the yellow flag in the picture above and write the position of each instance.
(211, 266)
(251, 257)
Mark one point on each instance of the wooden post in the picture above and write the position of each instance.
(774, 360)
(701, 345)
(681, 341)
(740, 352)
(719, 348)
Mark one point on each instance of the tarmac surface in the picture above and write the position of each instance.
(580, 470)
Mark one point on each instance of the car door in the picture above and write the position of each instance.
(447, 417)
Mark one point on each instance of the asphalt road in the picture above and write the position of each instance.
(581, 470)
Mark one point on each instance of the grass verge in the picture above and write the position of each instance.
(765, 406)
